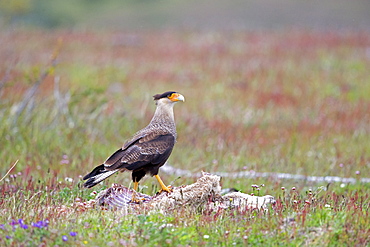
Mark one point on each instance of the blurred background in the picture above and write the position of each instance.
(270, 86)
(273, 88)
(207, 14)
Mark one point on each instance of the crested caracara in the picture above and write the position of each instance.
(147, 150)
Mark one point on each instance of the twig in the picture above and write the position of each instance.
(34, 195)
(32, 91)
(5, 78)
(252, 174)
(9, 170)
(61, 103)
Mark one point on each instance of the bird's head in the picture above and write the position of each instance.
(169, 97)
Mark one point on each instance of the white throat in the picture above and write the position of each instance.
(164, 111)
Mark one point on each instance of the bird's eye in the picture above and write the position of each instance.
(170, 96)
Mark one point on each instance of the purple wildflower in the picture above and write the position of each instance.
(13, 223)
(73, 234)
(37, 224)
(64, 160)
(24, 226)
(8, 237)
(64, 238)
(2, 226)
(40, 224)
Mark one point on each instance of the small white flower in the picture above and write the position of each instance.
(206, 236)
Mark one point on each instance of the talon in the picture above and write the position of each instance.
(166, 189)
(163, 186)
(136, 200)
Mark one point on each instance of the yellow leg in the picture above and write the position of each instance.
(133, 199)
(163, 186)
(136, 185)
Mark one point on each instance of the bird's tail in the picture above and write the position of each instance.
(97, 175)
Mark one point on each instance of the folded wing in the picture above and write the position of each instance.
(146, 150)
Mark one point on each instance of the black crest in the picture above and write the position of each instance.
(163, 95)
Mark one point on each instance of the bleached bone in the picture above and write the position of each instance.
(206, 191)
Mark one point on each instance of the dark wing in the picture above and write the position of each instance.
(117, 156)
(148, 149)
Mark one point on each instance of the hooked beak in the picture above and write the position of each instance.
(177, 97)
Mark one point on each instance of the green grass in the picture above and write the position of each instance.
(291, 102)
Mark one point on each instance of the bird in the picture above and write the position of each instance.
(147, 150)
